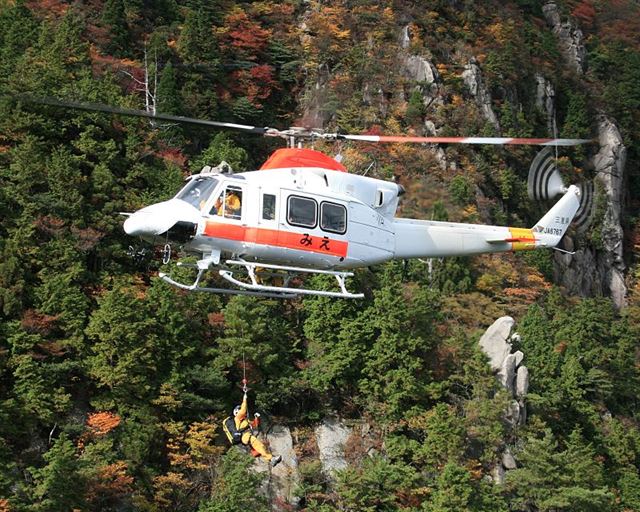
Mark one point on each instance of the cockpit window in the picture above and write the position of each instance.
(198, 191)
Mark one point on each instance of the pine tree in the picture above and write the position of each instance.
(235, 486)
(115, 20)
(222, 147)
(168, 96)
(554, 480)
(59, 485)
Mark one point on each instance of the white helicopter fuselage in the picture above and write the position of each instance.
(310, 217)
(322, 218)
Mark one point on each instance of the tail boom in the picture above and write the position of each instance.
(433, 239)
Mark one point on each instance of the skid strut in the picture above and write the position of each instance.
(256, 288)
(255, 285)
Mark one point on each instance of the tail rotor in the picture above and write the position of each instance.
(545, 182)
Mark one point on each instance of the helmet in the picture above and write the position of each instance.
(236, 410)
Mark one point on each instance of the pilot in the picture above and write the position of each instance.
(246, 427)
(232, 204)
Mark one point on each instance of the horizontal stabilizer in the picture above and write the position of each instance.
(520, 238)
(511, 239)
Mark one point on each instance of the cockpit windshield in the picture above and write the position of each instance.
(198, 191)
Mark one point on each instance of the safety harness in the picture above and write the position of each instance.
(233, 434)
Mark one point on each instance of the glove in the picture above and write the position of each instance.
(256, 415)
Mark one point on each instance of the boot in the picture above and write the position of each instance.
(275, 460)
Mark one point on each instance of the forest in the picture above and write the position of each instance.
(113, 384)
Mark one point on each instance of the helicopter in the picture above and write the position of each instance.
(302, 213)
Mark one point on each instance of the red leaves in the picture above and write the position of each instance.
(256, 83)
(247, 39)
(216, 319)
(585, 12)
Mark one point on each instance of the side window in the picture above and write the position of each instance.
(268, 206)
(302, 211)
(333, 218)
(229, 204)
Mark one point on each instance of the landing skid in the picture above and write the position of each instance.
(258, 289)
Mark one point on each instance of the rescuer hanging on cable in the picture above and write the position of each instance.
(239, 430)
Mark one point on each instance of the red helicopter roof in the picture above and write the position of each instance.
(301, 157)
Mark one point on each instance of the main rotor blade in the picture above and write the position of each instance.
(100, 107)
(465, 140)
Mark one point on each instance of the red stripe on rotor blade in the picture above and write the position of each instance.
(273, 237)
(471, 140)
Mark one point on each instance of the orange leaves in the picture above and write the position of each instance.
(192, 448)
(169, 488)
(99, 424)
(109, 482)
(327, 36)
(192, 455)
(509, 280)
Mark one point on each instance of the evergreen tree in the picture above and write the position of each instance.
(235, 486)
(222, 147)
(168, 97)
(395, 372)
(114, 19)
(377, 485)
(124, 353)
(553, 480)
(59, 485)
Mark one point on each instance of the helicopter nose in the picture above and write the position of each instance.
(159, 218)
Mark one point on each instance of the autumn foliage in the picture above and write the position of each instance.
(98, 424)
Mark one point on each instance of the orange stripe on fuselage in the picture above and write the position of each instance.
(274, 237)
(522, 239)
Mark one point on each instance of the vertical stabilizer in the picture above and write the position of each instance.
(550, 228)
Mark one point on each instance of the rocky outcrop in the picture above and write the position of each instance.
(522, 381)
(419, 71)
(472, 77)
(315, 113)
(609, 165)
(494, 342)
(545, 101)
(405, 40)
(514, 377)
(331, 436)
(569, 37)
(510, 372)
(600, 271)
(280, 483)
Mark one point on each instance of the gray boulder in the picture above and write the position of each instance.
(522, 381)
(494, 341)
(331, 436)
